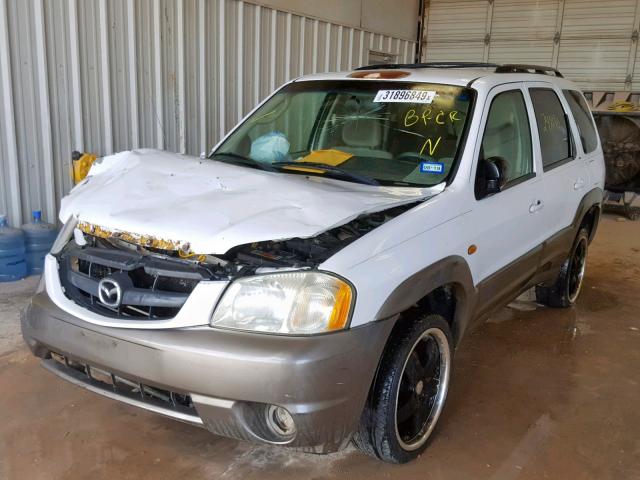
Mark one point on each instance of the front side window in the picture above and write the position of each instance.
(584, 120)
(386, 133)
(507, 136)
(553, 129)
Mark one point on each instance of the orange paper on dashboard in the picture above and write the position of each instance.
(328, 157)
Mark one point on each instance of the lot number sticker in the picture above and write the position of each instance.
(404, 96)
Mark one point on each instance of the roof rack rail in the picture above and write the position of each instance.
(429, 65)
(506, 68)
(523, 68)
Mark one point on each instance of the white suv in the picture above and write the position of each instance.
(307, 283)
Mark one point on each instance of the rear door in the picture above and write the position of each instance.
(565, 178)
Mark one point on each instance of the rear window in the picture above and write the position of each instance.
(584, 120)
(555, 141)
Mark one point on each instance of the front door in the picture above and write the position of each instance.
(507, 230)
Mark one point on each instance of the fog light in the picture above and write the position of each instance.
(280, 421)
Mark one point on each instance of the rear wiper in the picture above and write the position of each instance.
(237, 159)
(330, 169)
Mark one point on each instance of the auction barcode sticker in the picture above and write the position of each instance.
(405, 96)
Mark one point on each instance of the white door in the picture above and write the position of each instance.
(565, 177)
(507, 232)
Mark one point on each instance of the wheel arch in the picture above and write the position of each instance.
(588, 213)
(444, 287)
(591, 219)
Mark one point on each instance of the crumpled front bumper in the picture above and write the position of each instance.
(231, 377)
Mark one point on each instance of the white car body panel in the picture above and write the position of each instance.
(499, 226)
(563, 186)
(389, 263)
(215, 207)
(505, 232)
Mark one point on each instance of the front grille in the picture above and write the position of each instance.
(152, 288)
(158, 399)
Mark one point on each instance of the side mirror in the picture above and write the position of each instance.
(490, 177)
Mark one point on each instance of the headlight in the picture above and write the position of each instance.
(295, 303)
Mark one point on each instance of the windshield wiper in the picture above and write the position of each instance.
(330, 169)
(238, 159)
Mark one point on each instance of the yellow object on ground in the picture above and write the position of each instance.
(81, 164)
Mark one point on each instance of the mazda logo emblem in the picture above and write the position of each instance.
(109, 292)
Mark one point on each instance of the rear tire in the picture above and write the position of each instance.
(566, 289)
(409, 391)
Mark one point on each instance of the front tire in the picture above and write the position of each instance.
(566, 289)
(409, 390)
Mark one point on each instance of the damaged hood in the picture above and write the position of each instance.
(213, 206)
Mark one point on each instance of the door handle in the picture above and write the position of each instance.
(535, 206)
(578, 184)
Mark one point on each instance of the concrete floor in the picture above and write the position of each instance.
(536, 393)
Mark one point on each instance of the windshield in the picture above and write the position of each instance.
(386, 133)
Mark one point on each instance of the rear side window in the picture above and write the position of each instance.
(584, 120)
(555, 141)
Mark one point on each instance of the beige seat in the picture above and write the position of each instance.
(502, 138)
(362, 136)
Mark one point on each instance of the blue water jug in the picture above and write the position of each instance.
(38, 239)
(13, 265)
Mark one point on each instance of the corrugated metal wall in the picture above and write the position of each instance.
(592, 43)
(111, 75)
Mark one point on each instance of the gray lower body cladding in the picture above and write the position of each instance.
(231, 377)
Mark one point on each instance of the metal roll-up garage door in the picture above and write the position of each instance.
(592, 43)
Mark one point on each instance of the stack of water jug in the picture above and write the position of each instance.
(22, 250)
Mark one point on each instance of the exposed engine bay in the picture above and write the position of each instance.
(308, 252)
(251, 258)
